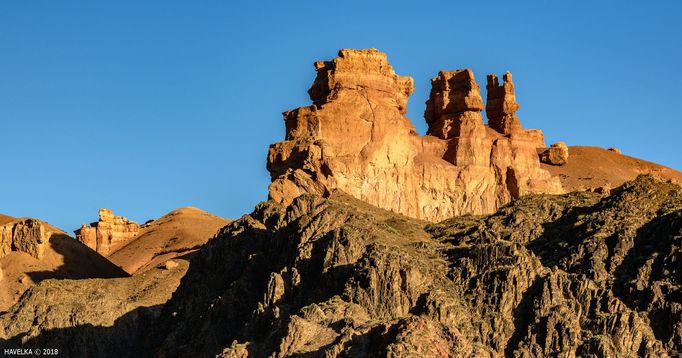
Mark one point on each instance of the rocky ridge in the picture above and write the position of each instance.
(581, 274)
(110, 314)
(575, 275)
(355, 137)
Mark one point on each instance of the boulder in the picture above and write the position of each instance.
(168, 265)
(556, 154)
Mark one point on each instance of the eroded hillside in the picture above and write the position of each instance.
(576, 275)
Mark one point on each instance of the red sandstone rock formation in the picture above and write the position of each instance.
(356, 138)
(108, 234)
(501, 105)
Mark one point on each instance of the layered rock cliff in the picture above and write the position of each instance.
(108, 234)
(356, 137)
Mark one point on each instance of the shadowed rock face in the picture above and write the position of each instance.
(355, 137)
(581, 274)
(90, 317)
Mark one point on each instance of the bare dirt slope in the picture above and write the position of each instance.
(593, 167)
(5, 219)
(179, 232)
(63, 257)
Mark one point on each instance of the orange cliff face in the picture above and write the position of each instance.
(356, 138)
(108, 234)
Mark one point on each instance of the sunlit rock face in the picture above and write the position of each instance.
(109, 233)
(24, 235)
(356, 138)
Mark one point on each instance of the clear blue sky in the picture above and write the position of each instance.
(145, 106)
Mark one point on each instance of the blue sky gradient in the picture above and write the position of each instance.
(143, 107)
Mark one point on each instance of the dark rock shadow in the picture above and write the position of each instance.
(562, 237)
(80, 262)
(120, 340)
(523, 316)
(649, 277)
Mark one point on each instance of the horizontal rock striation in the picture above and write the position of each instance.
(356, 138)
(109, 233)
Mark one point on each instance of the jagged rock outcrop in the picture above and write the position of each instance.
(501, 105)
(24, 235)
(356, 138)
(454, 106)
(575, 275)
(109, 233)
(580, 274)
(556, 154)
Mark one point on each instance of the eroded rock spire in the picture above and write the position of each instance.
(109, 233)
(356, 138)
(501, 105)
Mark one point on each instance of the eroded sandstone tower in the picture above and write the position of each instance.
(109, 233)
(356, 138)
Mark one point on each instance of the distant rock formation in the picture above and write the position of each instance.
(109, 233)
(24, 235)
(356, 138)
(32, 250)
(501, 105)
